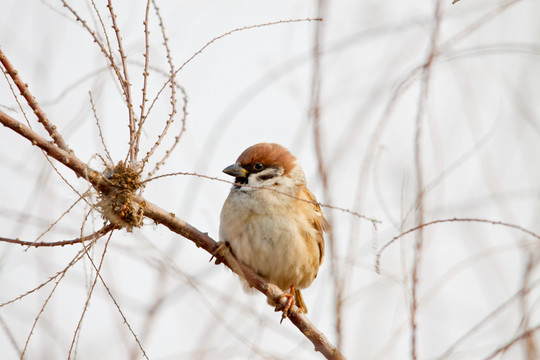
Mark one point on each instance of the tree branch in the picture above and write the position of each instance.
(23, 88)
(179, 226)
(104, 230)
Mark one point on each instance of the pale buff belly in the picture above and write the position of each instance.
(273, 246)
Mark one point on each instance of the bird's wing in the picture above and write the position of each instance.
(315, 216)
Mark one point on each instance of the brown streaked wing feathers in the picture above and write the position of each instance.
(318, 221)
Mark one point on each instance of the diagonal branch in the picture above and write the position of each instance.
(177, 225)
(23, 88)
(107, 53)
(65, 157)
(123, 79)
(202, 240)
(173, 75)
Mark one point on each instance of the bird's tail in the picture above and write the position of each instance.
(299, 300)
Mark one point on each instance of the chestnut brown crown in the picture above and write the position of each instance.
(268, 154)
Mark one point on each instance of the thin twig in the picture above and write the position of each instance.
(60, 275)
(31, 101)
(73, 261)
(107, 53)
(218, 38)
(167, 262)
(104, 230)
(488, 16)
(348, 211)
(63, 156)
(315, 117)
(105, 33)
(513, 341)
(440, 221)
(57, 220)
(145, 76)
(177, 138)
(100, 132)
(125, 83)
(418, 165)
(90, 292)
(497, 311)
(19, 105)
(530, 343)
(124, 319)
(146, 56)
(41, 313)
(172, 86)
(10, 335)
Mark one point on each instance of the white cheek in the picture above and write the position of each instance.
(253, 181)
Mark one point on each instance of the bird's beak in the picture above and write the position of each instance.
(235, 170)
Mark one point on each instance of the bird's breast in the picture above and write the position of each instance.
(269, 236)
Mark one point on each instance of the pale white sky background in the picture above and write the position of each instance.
(479, 154)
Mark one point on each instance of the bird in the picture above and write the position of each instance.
(272, 222)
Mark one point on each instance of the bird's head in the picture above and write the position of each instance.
(266, 165)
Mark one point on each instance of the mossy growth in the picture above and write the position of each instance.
(118, 205)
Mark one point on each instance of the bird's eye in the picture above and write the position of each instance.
(258, 166)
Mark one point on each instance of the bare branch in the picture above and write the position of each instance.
(348, 211)
(123, 79)
(176, 138)
(105, 33)
(180, 227)
(174, 86)
(170, 120)
(273, 292)
(440, 221)
(315, 118)
(482, 323)
(101, 137)
(104, 230)
(107, 53)
(145, 74)
(418, 166)
(77, 257)
(65, 157)
(31, 101)
(15, 97)
(90, 292)
(218, 38)
(59, 276)
(10, 336)
(512, 342)
(125, 84)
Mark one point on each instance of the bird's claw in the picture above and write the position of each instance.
(288, 305)
(221, 247)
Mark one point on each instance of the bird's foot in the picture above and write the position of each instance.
(288, 305)
(222, 246)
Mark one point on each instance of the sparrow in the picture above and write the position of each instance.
(272, 222)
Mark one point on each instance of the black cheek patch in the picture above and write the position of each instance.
(267, 177)
(241, 180)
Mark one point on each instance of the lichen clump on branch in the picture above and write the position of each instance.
(118, 205)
